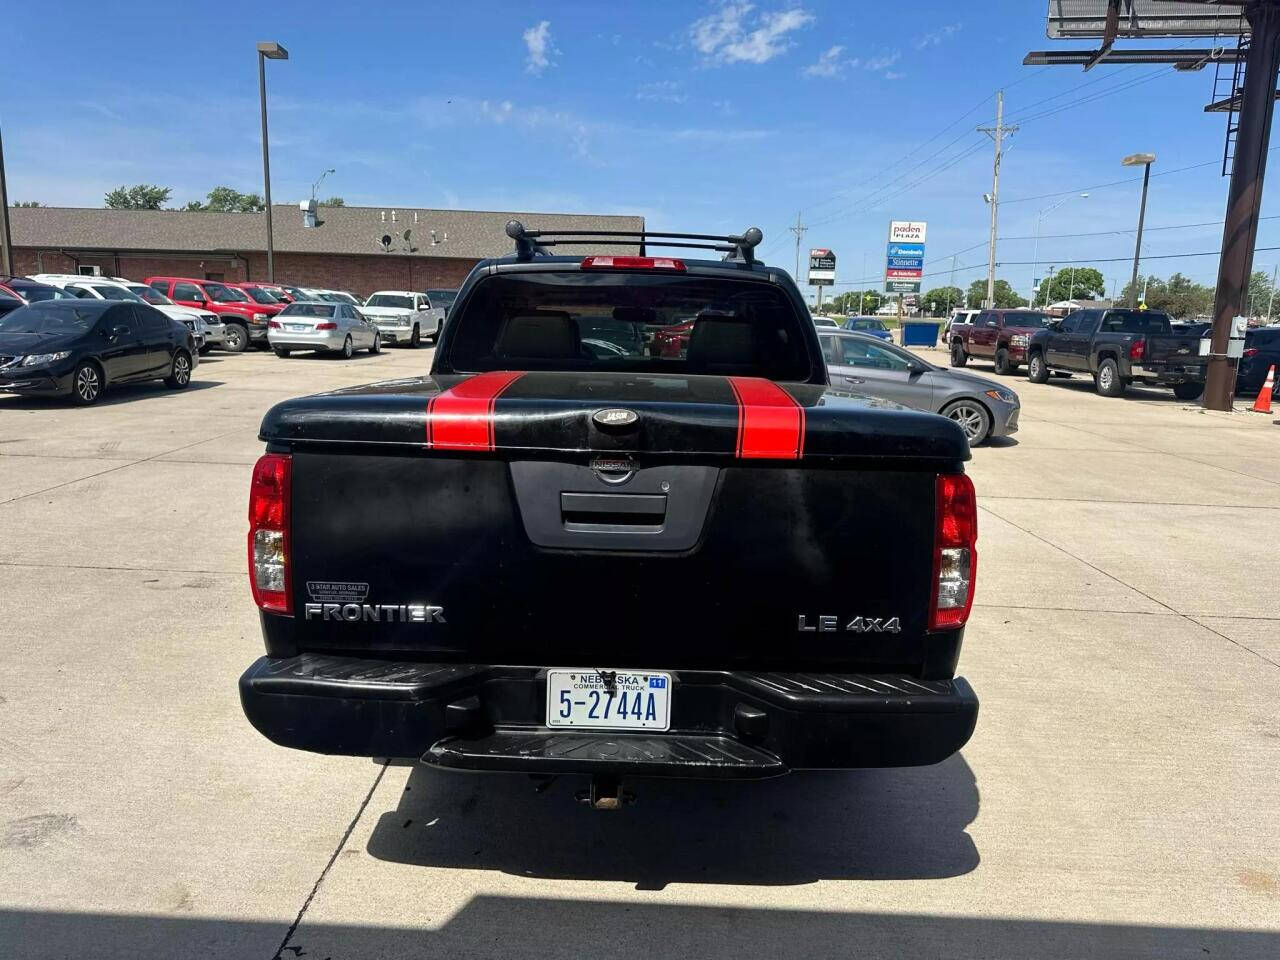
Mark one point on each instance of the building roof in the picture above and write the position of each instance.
(472, 234)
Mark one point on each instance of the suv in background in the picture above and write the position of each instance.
(244, 320)
(957, 316)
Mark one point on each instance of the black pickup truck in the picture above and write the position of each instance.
(1119, 348)
(553, 559)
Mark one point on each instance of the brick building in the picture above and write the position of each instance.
(345, 250)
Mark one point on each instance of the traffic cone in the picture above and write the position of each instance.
(1263, 403)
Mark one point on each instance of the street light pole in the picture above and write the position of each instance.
(1144, 160)
(267, 50)
(1035, 250)
(6, 238)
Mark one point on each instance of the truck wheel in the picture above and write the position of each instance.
(1107, 380)
(972, 417)
(1002, 365)
(415, 338)
(1037, 370)
(1188, 391)
(958, 357)
(237, 338)
(179, 372)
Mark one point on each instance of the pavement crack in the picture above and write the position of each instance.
(346, 835)
(1142, 593)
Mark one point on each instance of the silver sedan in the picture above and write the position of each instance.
(328, 327)
(863, 364)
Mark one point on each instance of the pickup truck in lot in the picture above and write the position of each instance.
(1000, 336)
(1119, 347)
(520, 616)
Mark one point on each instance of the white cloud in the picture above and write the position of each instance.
(882, 62)
(730, 35)
(893, 75)
(662, 91)
(541, 48)
(935, 37)
(829, 64)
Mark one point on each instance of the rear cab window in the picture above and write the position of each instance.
(1135, 321)
(630, 322)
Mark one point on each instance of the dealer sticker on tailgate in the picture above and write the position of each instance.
(617, 700)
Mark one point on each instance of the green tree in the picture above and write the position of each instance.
(28, 203)
(1005, 296)
(228, 200)
(944, 299)
(1259, 293)
(332, 202)
(141, 196)
(1073, 283)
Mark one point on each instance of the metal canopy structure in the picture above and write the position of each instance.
(1248, 101)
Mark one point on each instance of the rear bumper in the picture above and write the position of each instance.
(723, 723)
(292, 340)
(1163, 375)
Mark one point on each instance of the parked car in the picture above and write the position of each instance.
(79, 347)
(404, 316)
(1000, 336)
(279, 292)
(32, 291)
(825, 544)
(822, 320)
(331, 296)
(323, 327)
(117, 288)
(869, 366)
(209, 324)
(1119, 347)
(872, 326)
(244, 321)
(1261, 351)
(9, 301)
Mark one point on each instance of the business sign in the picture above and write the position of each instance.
(904, 256)
(822, 267)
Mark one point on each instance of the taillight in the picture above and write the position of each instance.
(269, 533)
(632, 263)
(326, 326)
(273, 325)
(1250, 352)
(1137, 349)
(955, 556)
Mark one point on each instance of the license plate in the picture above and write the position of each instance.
(636, 700)
(297, 326)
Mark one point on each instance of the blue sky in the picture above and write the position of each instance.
(702, 116)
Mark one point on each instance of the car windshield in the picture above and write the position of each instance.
(108, 292)
(1028, 318)
(308, 310)
(258, 295)
(36, 292)
(661, 323)
(219, 293)
(50, 317)
(390, 300)
(150, 295)
(442, 298)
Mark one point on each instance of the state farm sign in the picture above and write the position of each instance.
(907, 231)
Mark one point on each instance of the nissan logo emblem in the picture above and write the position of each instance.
(615, 417)
(613, 470)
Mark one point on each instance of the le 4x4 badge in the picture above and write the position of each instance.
(829, 623)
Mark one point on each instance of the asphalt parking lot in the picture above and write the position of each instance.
(1118, 799)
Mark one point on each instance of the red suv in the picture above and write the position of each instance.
(245, 319)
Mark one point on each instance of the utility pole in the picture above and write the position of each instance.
(798, 230)
(997, 134)
(1270, 299)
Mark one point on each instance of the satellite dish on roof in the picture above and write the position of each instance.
(385, 241)
(407, 234)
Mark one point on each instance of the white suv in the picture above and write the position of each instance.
(203, 324)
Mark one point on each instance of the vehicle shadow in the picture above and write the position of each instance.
(1133, 394)
(904, 823)
(488, 926)
(126, 393)
(999, 443)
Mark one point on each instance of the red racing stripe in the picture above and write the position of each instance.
(461, 418)
(770, 422)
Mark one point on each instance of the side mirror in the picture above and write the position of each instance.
(119, 330)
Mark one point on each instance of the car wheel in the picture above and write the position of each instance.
(415, 338)
(958, 357)
(236, 338)
(179, 371)
(1107, 380)
(377, 344)
(972, 417)
(1188, 391)
(86, 384)
(348, 349)
(1037, 369)
(1001, 364)
(281, 352)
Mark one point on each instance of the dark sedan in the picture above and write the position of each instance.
(77, 348)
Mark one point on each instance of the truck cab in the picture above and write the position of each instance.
(1000, 336)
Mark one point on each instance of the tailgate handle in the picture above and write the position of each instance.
(621, 512)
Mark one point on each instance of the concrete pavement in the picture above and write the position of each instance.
(1117, 800)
